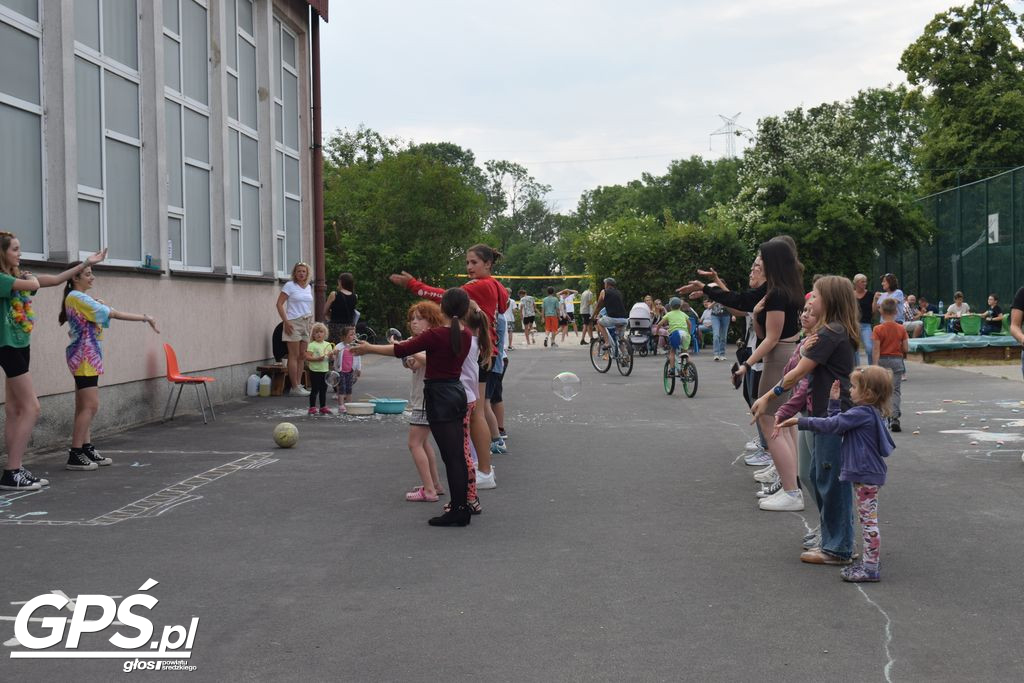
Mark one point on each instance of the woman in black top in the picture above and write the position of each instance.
(777, 322)
(341, 307)
(865, 299)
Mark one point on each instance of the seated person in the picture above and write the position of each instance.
(912, 322)
(954, 311)
(992, 319)
(705, 324)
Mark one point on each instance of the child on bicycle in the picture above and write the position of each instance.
(678, 325)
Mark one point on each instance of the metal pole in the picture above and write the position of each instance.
(317, 159)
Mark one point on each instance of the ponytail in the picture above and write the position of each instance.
(456, 336)
(69, 287)
(478, 324)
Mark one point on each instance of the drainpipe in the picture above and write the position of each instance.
(317, 159)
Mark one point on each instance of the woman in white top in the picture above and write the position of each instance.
(295, 306)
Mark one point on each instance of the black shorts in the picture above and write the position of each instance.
(15, 360)
(87, 382)
(569, 316)
(586, 318)
(494, 384)
(528, 320)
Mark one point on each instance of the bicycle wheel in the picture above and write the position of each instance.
(689, 379)
(668, 378)
(602, 361)
(625, 359)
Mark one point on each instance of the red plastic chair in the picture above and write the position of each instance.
(174, 376)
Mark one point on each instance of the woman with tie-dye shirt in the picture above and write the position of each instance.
(86, 318)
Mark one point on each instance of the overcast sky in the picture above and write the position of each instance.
(597, 92)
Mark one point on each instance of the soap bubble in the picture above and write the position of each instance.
(332, 379)
(566, 386)
(394, 334)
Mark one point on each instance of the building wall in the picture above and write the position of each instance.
(106, 166)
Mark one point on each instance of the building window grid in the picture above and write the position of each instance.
(184, 102)
(236, 243)
(283, 151)
(109, 65)
(34, 29)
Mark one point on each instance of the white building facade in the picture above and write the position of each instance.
(176, 134)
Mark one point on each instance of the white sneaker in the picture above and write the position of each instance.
(758, 459)
(783, 501)
(767, 475)
(300, 391)
(485, 481)
(753, 445)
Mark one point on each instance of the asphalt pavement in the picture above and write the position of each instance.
(623, 543)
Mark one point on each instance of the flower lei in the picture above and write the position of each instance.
(21, 311)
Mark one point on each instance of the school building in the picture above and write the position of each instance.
(179, 135)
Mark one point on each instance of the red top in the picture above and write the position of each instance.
(489, 294)
(889, 338)
(441, 362)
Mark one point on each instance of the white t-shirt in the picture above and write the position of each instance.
(300, 300)
(962, 309)
(470, 375)
(587, 302)
(510, 311)
(570, 307)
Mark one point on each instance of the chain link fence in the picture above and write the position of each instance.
(978, 246)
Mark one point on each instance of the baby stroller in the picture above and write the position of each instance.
(640, 335)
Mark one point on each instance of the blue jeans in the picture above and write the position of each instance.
(866, 343)
(834, 497)
(720, 328)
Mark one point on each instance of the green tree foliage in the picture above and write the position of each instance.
(819, 176)
(684, 193)
(646, 257)
(973, 73)
(389, 209)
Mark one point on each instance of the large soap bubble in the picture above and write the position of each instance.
(332, 379)
(566, 386)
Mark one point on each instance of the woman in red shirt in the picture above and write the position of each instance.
(444, 397)
(492, 298)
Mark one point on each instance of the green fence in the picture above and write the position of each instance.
(978, 247)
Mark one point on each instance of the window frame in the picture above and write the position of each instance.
(33, 28)
(281, 194)
(184, 102)
(235, 125)
(105, 65)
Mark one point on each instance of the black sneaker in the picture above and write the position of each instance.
(545, 342)
(583, 342)
(34, 479)
(894, 426)
(15, 480)
(502, 434)
(94, 455)
(78, 460)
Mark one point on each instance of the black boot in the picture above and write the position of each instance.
(894, 425)
(459, 515)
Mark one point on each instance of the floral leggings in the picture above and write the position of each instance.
(470, 467)
(867, 509)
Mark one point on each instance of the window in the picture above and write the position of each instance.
(187, 133)
(243, 138)
(108, 128)
(287, 187)
(21, 116)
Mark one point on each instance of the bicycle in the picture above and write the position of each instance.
(601, 355)
(685, 371)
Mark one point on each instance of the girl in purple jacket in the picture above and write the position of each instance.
(866, 444)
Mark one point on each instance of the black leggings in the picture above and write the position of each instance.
(319, 380)
(450, 441)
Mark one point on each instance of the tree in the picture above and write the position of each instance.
(646, 257)
(396, 210)
(819, 176)
(971, 68)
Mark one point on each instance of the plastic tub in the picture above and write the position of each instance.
(359, 408)
(389, 406)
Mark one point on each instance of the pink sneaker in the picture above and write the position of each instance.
(326, 411)
(312, 410)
